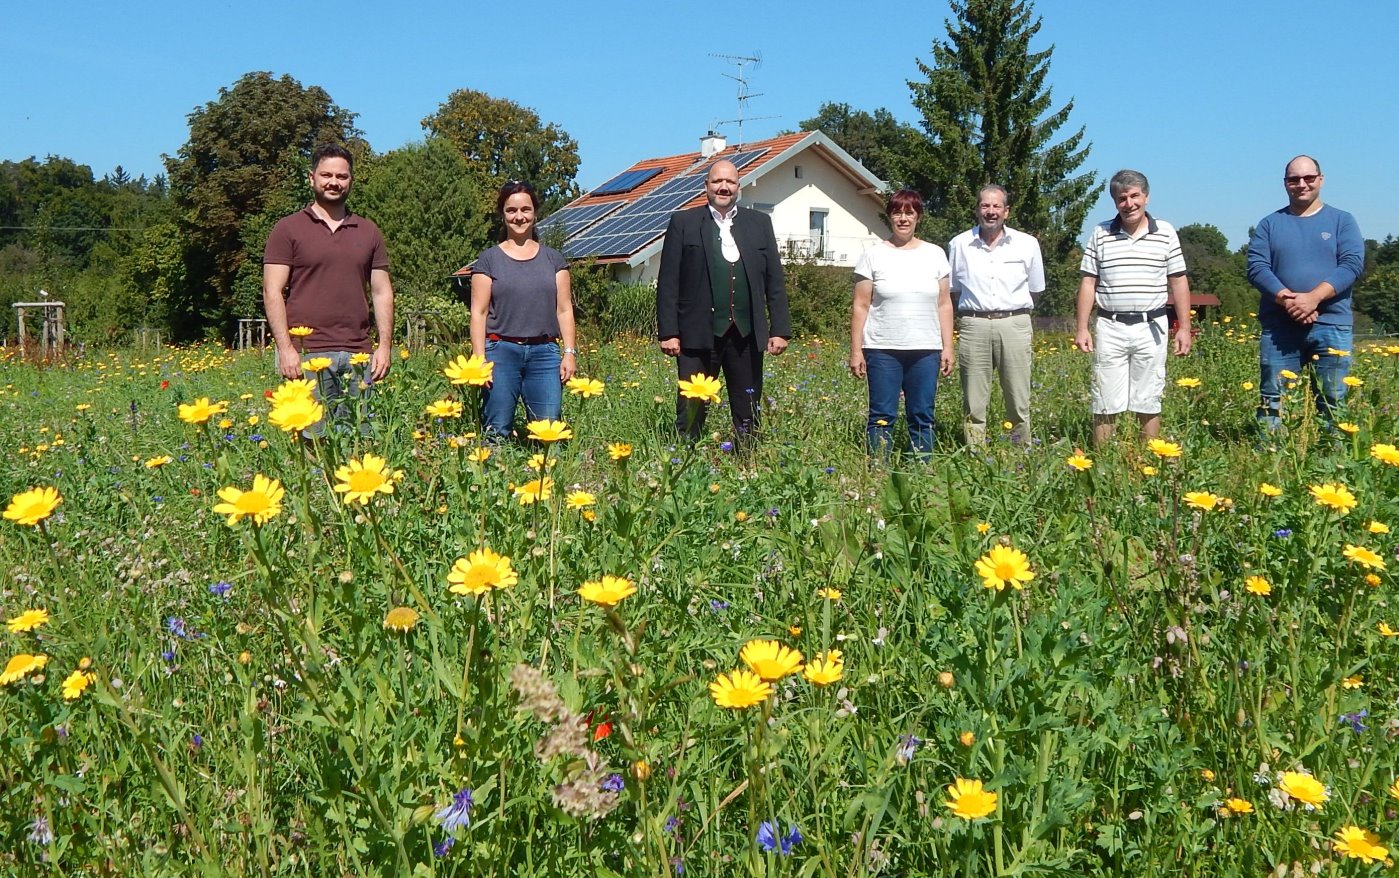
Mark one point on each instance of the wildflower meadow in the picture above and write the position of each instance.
(236, 647)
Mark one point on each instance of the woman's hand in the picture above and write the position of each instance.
(568, 367)
(857, 364)
(949, 359)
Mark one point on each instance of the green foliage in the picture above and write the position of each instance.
(1377, 296)
(877, 140)
(1214, 268)
(818, 298)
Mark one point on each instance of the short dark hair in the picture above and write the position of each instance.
(1126, 179)
(902, 200)
(994, 187)
(331, 151)
(515, 187)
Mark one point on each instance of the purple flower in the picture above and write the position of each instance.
(39, 832)
(726, 446)
(458, 813)
(1282, 533)
(1354, 719)
(671, 823)
(221, 589)
(768, 840)
(907, 745)
(440, 849)
(717, 605)
(176, 626)
(196, 741)
(613, 783)
(773, 512)
(168, 655)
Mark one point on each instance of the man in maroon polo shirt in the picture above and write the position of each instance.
(315, 270)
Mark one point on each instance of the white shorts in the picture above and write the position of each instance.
(1129, 366)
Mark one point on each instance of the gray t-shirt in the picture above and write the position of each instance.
(524, 292)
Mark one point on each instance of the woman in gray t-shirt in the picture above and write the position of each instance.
(521, 307)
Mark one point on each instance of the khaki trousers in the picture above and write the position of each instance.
(985, 346)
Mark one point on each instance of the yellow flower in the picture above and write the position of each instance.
(1334, 496)
(75, 684)
(1378, 527)
(1268, 490)
(21, 666)
(1336, 352)
(1247, 385)
(1304, 788)
(535, 491)
(296, 414)
(947, 680)
(158, 461)
(299, 388)
(479, 455)
(1352, 381)
(1162, 448)
(969, 800)
(1239, 806)
(585, 387)
(1187, 382)
(740, 515)
(825, 668)
(475, 370)
(225, 423)
(1363, 556)
(983, 527)
(829, 593)
(360, 480)
(359, 359)
(967, 738)
(1355, 682)
(1359, 844)
(300, 331)
(1202, 500)
(589, 515)
(1385, 453)
(1079, 461)
(1004, 566)
(548, 431)
(1394, 790)
(444, 408)
(1288, 374)
(580, 500)
(1372, 580)
(641, 770)
(701, 387)
(619, 450)
(317, 364)
(1149, 470)
(769, 659)
(401, 619)
(739, 690)
(261, 504)
(201, 410)
(403, 354)
(83, 406)
(480, 572)
(1386, 631)
(1258, 585)
(607, 591)
(537, 462)
(27, 621)
(1348, 428)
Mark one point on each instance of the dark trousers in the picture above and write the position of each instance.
(741, 360)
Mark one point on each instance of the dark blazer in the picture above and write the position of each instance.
(684, 298)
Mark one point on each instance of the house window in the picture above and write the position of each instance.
(798, 170)
(764, 206)
(818, 231)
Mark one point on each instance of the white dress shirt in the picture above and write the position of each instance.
(1001, 278)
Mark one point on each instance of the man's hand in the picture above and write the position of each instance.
(380, 362)
(1184, 338)
(670, 347)
(1083, 340)
(288, 361)
(776, 345)
(1302, 306)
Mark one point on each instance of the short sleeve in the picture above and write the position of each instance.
(1175, 260)
(556, 260)
(863, 268)
(1089, 264)
(939, 259)
(280, 249)
(485, 264)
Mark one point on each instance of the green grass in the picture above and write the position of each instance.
(277, 727)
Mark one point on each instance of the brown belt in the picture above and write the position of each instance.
(515, 339)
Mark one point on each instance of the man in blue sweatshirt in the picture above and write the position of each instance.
(1304, 259)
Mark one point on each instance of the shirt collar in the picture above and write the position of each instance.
(980, 242)
(718, 217)
(1116, 225)
(350, 218)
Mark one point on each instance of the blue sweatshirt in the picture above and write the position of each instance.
(1299, 252)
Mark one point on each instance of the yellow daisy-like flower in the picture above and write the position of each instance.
(983, 527)
(535, 491)
(1348, 428)
(1385, 453)
(1239, 806)
(1288, 374)
(1079, 461)
(608, 591)
(585, 387)
(1363, 556)
(1372, 580)
(27, 621)
(28, 508)
(75, 684)
(739, 690)
(1187, 382)
(1202, 500)
(770, 660)
(619, 450)
(1334, 496)
(296, 414)
(201, 410)
(537, 462)
(1162, 448)
(300, 331)
(1352, 381)
(969, 800)
(1378, 527)
(444, 408)
(1247, 385)
(317, 364)
(1394, 790)
(299, 388)
(701, 387)
(1355, 682)
(548, 431)
(360, 480)
(825, 668)
(474, 370)
(580, 500)
(1258, 585)
(21, 666)
(1149, 470)
(1359, 844)
(359, 359)
(479, 455)
(480, 572)
(1386, 631)
(1004, 566)
(1268, 490)
(158, 461)
(1337, 352)
(829, 593)
(401, 619)
(1304, 788)
(82, 406)
(261, 504)
(225, 423)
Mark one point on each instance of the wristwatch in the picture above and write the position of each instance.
(573, 351)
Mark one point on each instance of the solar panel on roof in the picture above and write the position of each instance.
(740, 159)
(575, 219)
(626, 181)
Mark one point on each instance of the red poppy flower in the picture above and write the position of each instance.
(165, 385)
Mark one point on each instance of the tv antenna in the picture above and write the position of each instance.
(744, 95)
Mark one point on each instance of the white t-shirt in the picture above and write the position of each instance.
(903, 313)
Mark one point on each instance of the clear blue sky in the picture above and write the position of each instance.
(1208, 98)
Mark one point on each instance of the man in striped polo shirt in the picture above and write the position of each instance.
(1129, 264)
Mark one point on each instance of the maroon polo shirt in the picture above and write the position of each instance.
(329, 277)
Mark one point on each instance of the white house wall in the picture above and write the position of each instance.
(853, 221)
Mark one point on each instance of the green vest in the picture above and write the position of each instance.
(733, 303)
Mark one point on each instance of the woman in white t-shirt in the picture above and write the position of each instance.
(901, 327)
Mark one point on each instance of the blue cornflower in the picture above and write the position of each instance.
(613, 783)
(717, 605)
(176, 626)
(726, 446)
(1354, 719)
(907, 745)
(830, 469)
(256, 437)
(768, 840)
(1282, 533)
(221, 589)
(168, 655)
(196, 741)
(157, 499)
(773, 512)
(458, 813)
(671, 823)
(440, 849)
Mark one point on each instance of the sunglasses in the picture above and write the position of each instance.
(1295, 179)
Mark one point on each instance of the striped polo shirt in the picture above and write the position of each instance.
(1132, 273)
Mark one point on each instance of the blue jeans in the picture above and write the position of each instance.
(1292, 346)
(916, 374)
(528, 370)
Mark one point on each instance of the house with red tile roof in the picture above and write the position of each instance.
(825, 206)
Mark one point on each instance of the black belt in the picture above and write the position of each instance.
(994, 315)
(1130, 318)
(513, 339)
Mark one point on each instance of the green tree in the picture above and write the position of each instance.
(506, 141)
(245, 150)
(988, 115)
(1377, 294)
(1215, 269)
(877, 140)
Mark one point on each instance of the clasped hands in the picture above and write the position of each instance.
(1301, 307)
